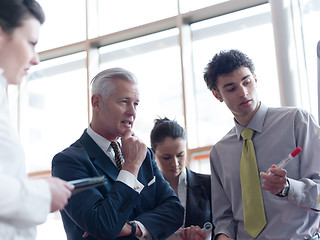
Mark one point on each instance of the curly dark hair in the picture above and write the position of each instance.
(225, 62)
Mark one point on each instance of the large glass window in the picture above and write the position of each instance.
(155, 61)
(250, 31)
(310, 18)
(191, 5)
(65, 23)
(54, 109)
(122, 14)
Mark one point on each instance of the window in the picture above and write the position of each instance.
(310, 16)
(118, 15)
(191, 5)
(54, 109)
(155, 61)
(61, 17)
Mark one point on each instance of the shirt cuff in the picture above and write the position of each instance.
(130, 180)
(145, 233)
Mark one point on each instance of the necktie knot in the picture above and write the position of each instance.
(247, 133)
(118, 156)
(114, 145)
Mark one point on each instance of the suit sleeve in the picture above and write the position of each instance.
(100, 214)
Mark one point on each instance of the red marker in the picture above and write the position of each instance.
(288, 159)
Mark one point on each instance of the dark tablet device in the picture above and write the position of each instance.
(86, 183)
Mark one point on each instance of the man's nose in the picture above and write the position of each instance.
(132, 110)
(243, 91)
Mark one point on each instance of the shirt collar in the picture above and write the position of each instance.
(183, 176)
(102, 142)
(256, 123)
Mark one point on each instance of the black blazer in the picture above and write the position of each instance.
(103, 211)
(198, 206)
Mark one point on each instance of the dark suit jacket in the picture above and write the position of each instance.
(103, 211)
(198, 209)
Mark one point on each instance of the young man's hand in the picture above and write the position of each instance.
(274, 179)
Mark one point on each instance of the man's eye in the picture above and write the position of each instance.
(247, 81)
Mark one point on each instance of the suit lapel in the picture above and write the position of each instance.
(98, 158)
(193, 194)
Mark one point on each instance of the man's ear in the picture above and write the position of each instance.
(217, 95)
(96, 101)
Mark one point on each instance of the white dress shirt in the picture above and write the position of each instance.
(182, 192)
(24, 203)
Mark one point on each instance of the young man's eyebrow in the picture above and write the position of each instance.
(228, 84)
(245, 77)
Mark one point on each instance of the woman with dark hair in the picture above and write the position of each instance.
(168, 141)
(24, 203)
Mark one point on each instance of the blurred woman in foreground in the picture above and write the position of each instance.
(24, 203)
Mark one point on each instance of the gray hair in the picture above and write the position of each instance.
(102, 83)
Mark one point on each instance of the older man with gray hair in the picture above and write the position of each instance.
(136, 202)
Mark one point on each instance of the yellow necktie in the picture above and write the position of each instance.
(118, 156)
(253, 209)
